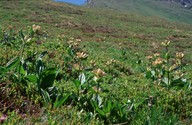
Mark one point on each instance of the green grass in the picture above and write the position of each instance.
(162, 9)
(106, 34)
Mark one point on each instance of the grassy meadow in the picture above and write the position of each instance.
(65, 64)
(168, 9)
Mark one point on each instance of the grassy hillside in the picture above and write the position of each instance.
(164, 9)
(79, 65)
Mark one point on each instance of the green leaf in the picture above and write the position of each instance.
(77, 83)
(70, 52)
(46, 97)
(166, 81)
(39, 67)
(100, 112)
(22, 70)
(21, 34)
(48, 77)
(150, 74)
(42, 54)
(13, 63)
(31, 78)
(109, 106)
(60, 102)
(2, 70)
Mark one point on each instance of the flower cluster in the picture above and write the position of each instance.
(93, 63)
(158, 61)
(36, 28)
(166, 43)
(179, 55)
(99, 72)
(111, 61)
(74, 43)
(149, 57)
(81, 55)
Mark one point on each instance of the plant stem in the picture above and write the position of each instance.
(22, 51)
(168, 73)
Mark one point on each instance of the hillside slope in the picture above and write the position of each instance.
(174, 10)
(65, 64)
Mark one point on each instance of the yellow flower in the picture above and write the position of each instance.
(149, 57)
(99, 73)
(36, 28)
(93, 63)
(96, 89)
(81, 55)
(73, 44)
(70, 42)
(166, 43)
(76, 66)
(29, 40)
(78, 40)
(179, 55)
(174, 66)
(156, 54)
(111, 61)
(158, 61)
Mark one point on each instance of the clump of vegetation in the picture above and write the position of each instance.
(167, 70)
(30, 82)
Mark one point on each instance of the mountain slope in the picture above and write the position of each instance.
(97, 59)
(174, 10)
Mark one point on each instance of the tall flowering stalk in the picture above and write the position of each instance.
(167, 56)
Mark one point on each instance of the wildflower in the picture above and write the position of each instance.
(158, 61)
(96, 89)
(3, 118)
(70, 42)
(29, 40)
(95, 78)
(179, 55)
(36, 28)
(75, 44)
(111, 61)
(93, 63)
(120, 44)
(149, 57)
(148, 68)
(78, 40)
(136, 53)
(99, 73)
(173, 67)
(10, 27)
(166, 43)
(81, 55)
(156, 54)
(71, 38)
(76, 66)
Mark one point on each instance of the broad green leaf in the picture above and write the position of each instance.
(13, 63)
(48, 77)
(22, 71)
(31, 78)
(109, 106)
(100, 112)
(77, 83)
